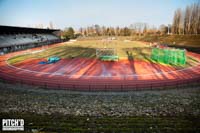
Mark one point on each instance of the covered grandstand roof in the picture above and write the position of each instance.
(14, 29)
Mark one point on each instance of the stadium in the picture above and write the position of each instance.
(74, 66)
(100, 65)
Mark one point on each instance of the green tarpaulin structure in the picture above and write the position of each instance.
(169, 56)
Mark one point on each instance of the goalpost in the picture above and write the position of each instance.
(105, 52)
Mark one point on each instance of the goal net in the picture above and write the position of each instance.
(105, 52)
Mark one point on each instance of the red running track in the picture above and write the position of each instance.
(93, 75)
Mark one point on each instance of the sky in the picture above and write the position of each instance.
(82, 13)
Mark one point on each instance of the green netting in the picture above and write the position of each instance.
(169, 56)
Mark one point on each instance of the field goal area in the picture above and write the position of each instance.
(107, 54)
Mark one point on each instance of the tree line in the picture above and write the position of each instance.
(187, 21)
(133, 29)
(97, 30)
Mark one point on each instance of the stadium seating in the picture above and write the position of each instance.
(18, 39)
(14, 38)
(21, 41)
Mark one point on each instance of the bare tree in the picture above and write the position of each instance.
(163, 29)
(187, 21)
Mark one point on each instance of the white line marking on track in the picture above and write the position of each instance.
(103, 76)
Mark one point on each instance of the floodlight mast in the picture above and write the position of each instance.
(168, 29)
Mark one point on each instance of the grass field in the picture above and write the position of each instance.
(190, 42)
(87, 49)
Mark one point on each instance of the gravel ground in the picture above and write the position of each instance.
(174, 102)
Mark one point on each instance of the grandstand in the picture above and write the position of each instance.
(18, 38)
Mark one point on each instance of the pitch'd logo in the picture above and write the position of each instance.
(12, 124)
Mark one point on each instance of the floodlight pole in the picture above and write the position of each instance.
(168, 29)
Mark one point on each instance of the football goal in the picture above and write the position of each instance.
(107, 54)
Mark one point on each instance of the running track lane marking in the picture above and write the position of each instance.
(108, 76)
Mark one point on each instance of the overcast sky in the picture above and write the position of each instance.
(77, 13)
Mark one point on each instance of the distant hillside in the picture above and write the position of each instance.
(182, 40)
(190, 42)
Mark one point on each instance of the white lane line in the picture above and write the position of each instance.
(62, 70)
(105, 73)
(103, 76)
